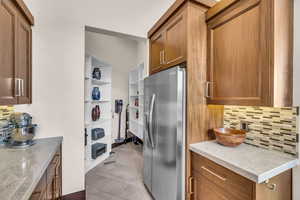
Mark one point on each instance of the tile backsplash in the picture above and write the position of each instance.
(269, 128)
(5, 111)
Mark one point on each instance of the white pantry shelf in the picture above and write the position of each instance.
(105, 106)
(97, 101)
(99, 82)
(136, 91)
(134, 107)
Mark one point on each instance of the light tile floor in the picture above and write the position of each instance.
(122, 180)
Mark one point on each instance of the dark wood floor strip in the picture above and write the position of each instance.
(75, 196)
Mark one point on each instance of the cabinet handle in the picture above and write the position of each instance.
(191, 180)
(17, 87)
(22, 87)
(163, 57)
(160, 58)
(207, 93)
(270, 186)
(213, 173)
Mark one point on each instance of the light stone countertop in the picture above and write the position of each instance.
(254, 163)
(21, 169)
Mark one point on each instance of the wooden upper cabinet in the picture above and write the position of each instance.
(15, 61)
(8, 46)
(244, 63)
(156, 51)
(24, 60)
(175, 40)
(168, 44)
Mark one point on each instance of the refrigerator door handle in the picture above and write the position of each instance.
(147, 128)
(151, 120)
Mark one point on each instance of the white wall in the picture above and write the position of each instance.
(123, 55)
(143, 54)
(58, 66)
(296, 172)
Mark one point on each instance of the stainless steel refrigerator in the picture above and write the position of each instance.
(164, 134)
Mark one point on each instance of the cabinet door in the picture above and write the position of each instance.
(50, 190)
(156, 51)
(8, 51)
(278, 188)
(23, 59)
(40, 190)
(175, 40)
(238, 56)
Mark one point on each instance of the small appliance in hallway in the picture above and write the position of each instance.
(118, 110)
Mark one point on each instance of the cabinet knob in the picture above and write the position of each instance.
(270, 186)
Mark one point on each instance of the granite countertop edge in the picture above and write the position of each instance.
(31, 188)
(258, 178)
(276, 171)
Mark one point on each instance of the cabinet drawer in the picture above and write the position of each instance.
(238, 186)
(207, 190)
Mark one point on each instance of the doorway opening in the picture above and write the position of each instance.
(115, 67)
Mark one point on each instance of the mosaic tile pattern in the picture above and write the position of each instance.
(5, 111)
(269, 128)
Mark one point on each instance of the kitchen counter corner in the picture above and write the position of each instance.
(251, 162)
(21, 169)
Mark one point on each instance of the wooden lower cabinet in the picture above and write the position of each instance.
(205, 189)
(49, 187)
(211, 181)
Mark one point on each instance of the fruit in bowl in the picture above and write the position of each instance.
(230, 137)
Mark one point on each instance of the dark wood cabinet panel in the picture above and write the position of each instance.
(7, 56)
(242, 66)
(175, 40)
(24, 59)
(15, 38)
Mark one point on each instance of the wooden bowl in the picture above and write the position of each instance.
(230, 137)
